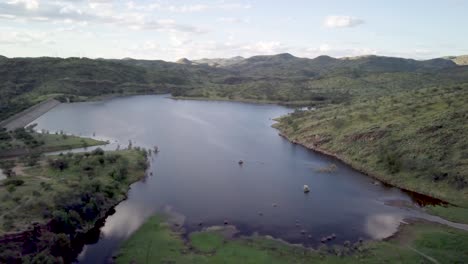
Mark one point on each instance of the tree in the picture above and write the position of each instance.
(98, 152)
(58, 163)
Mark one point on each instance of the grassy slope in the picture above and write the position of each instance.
(67, 141)
(39, 195)
(48, 142)
(25, 80)
(451, 213)
(415, 140)
(154, 242)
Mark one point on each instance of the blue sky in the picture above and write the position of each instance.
(169, 30)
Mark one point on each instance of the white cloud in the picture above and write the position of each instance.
(342, 21)
(335, 51)
(7, 16)
(181, 45)
(187, 8)
(11, 37)
(28, 4)
(265, 47)
(204, 7)
(324, 48)
(92, 11)
(192, 8)
(234, 20)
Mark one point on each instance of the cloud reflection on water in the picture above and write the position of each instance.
(380, 226)
(123, 224)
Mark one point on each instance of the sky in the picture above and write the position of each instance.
(170, 30)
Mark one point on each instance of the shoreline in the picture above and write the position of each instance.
(240, 100)
(360, 169)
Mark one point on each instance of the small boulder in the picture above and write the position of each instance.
(306, 188)
(241, 162)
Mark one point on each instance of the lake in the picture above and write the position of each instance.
(197, 173)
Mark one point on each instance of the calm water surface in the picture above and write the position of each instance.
(197, 173)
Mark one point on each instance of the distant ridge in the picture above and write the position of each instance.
(184, 61)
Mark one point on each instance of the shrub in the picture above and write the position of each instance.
(58, 163)
(98, 151)
(61, 246)
(11, 188)
(112, 158)
(14, 182)
(32, 159)
(392, 162)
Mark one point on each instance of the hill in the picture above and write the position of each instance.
(220, 62)
(184, 61)
(290, 80)
(413, 139)
(281, 78)
(25, 81)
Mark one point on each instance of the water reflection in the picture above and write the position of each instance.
(123, 224)
(381, 226)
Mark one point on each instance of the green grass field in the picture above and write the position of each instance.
(155, 242)
(43, 142)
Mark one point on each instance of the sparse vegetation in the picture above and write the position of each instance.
(328, 169)
(414, 139)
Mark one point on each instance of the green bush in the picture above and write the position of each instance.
(98, 152)
(13, 182)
